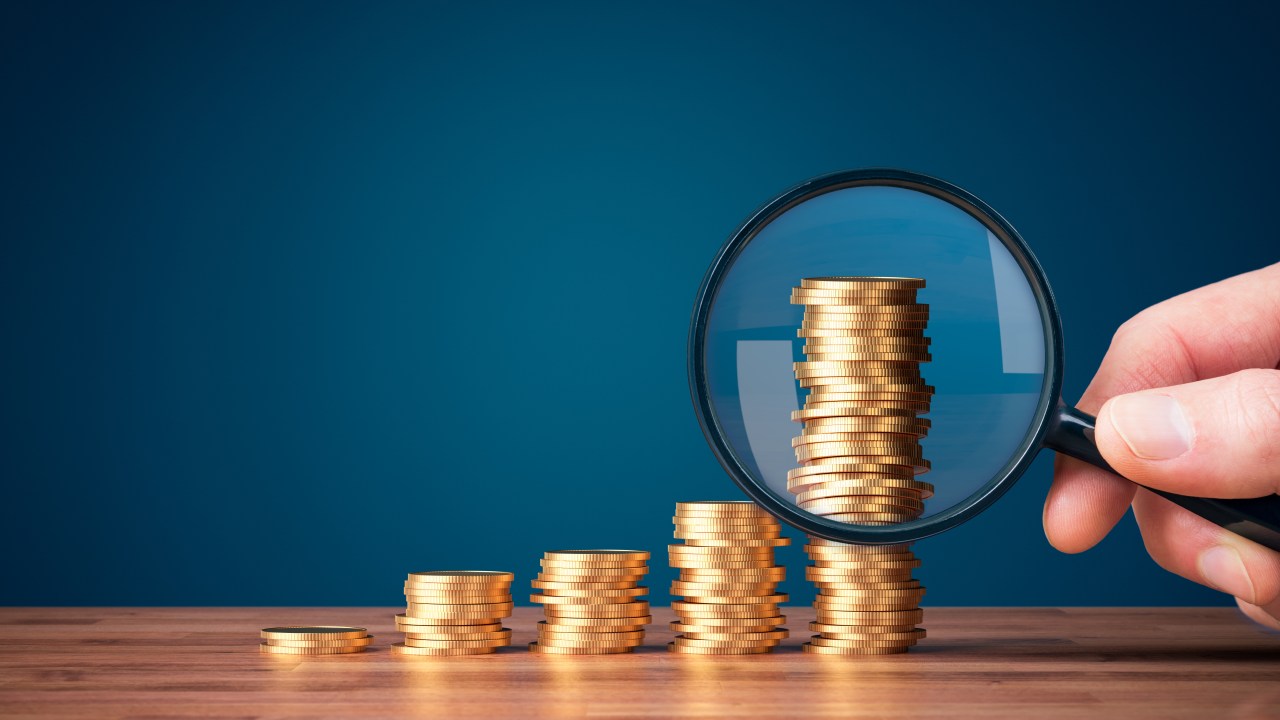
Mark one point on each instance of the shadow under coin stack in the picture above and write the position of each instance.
(860, 452)
(314, 640)
(455, 612)
(728, 577)
(591, 602)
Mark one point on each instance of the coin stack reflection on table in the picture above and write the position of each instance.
(314, 640)
(455, 612)
(728, 578)
(591, 600)
(859, 454)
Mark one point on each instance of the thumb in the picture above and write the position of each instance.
(1217, 438)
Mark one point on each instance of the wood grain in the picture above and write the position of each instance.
(977, 662)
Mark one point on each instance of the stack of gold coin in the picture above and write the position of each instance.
(591, 602)
(859, 454)
(728, 578)
(455, 612)
(314, 640)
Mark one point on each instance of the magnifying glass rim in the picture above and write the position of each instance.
(1001, 481)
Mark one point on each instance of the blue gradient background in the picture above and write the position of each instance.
(298, 297)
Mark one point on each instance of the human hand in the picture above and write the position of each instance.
(1188, 401)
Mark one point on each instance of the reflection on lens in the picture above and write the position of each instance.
(984, 349)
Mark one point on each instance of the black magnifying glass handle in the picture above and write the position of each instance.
(1257, 519)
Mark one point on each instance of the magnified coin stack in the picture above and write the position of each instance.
(859, 454)
(728, 578)
(591, 600)
(314, 640)
(455, 612)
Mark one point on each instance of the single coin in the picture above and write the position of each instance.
(745, 623)
(458, 601)
(863, 340)
(550, 641)
(810, 377)
(867, 603)
(842, 283)
(402, 649)
(918, 427)
(691, 650)
(861, 481)
(775, 573)
(773, 634)
(350, 642)
(551, 631)
(883, 298)
(503, 634)
(698, 591)
(482, 610)
(450, 629)
(548, 650)
(824, 650)
(908, 322)
(766, 542)
(724, 520)
(685, 642)
(595, 555)
(314, 632)
(614, 595)
(757, 534)
(849, 505)
(718, 552)
(846, 410)
(822, 394)
(494, 643)
(700, 628)
(728, 508)
(835, 473)
(287, 650)
(614, 624)
(845, 643)
(914, 497)
(606, 574)
(861, 387)
(818, 401)
(461, 576)
(685, 563)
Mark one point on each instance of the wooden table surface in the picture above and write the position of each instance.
(977, 662)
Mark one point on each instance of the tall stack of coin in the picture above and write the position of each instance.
(591, 600)
(314, 640)
(455, 612)
(728, 578)
(859, 454)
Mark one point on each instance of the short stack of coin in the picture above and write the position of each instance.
(859, 454)
(455, 612)
(314, 640)
(591, 600)
(728, 578)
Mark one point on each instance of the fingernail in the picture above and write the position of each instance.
(1222, 568)
(1153, 426)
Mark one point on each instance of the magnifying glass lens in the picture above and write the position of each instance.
(939, 381)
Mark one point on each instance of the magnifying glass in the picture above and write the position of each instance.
(992, 380)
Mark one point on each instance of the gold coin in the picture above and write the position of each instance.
(772, 598)
(846, 643)
(571, 596)
(837, 473)
(822, 553)
(286, 650)
(867, 518)
(821, 542)
(591, 598)
(684, 563)
(881, 455)
(710, 610)
(606, 574)
(719, 552)
(868, 386)
(697, 591)
(731, 624)
(550, 641)
(702, 628)
(759, 534)
(550, 631)
(548, 650)
(842, 283)
(867, 604)
(856, 356)
(773, 634)
(614, 624)
(606, 585)
(472, 644)
(881, 493)
(450, 629)
(690, 650)
(406, 619)
(847, 410)
(402, 649)
(685, 642)
(824, 394)
(907, 322)
(462, 576)
(859, 481)
(504, 633)
(841, 632)
(461, 601)
(635, 608)
(766, 542)
(729, 520)
(596, 555)
(351, 642)
(721, 506)
(775, 573)
(314, 632)
(875, 563)
(823, 650)
(480, 610)
(589, 565)
(846, 505)
(903, 425)
(858, 341)
(898, 374)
